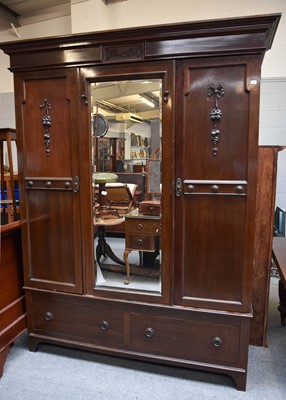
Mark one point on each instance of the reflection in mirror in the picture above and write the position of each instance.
(126, 181)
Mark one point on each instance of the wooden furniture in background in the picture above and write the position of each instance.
(264, 223)
(7, 135)
(117, 152)
(103, 154)
(12, 299)
(209, 73)
(279, 257)
(138, 179)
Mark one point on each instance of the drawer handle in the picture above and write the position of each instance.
(217, 341)
(149, 332)
(49, 316)
(104, 325)
(139, 227)
(139, 241)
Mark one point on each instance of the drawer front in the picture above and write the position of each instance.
(150, 209)
(193, 340)
(141, 242)
(143, 226)
(102, 327)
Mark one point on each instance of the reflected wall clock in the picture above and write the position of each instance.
(100, 125)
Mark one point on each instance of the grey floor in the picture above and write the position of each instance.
(66, 374)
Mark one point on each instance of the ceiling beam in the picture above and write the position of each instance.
(106, 2)
(9, 15)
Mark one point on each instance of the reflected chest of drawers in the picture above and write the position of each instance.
(142, 233)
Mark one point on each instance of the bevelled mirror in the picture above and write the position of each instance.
(126, 184)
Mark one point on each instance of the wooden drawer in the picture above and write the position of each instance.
(143, 226)
(141, 242)
(150, 207)
(185, 339)
(73, 321)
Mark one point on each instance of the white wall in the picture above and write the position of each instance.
(272, 112)
(273, 129)
(281, 180)
(52, 27)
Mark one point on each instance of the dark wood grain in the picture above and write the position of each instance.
(202, 317)
(12, 301)
(264, 222)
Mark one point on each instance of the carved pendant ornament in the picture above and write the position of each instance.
(215, 115)
(47, 123)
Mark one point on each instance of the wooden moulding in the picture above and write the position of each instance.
(241, 35)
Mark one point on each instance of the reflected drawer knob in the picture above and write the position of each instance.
(139, 227)
(139, 241)
(217, 341)
(49, 316)
(104, 325)
(149, 332)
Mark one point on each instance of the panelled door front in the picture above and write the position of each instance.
(216, 150)
(48, 143)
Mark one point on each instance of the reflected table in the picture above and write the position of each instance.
(105, 217)
(279, 257)
(103, 248)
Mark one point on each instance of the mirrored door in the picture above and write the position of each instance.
(127, 135)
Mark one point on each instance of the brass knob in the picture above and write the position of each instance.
(215, 188)
(191, 188)
(49, 316)
(30, 183)
(104, 325)
(139, 227)
(48, 184)
(217, 341)
(67, 184)
(149, 332)
(139, 241)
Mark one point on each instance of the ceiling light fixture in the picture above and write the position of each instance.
(146, 101)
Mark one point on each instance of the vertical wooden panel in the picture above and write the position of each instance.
(264, 221)
(215, 229)
(50, 208)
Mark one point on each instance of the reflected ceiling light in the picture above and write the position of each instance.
(146, 101)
